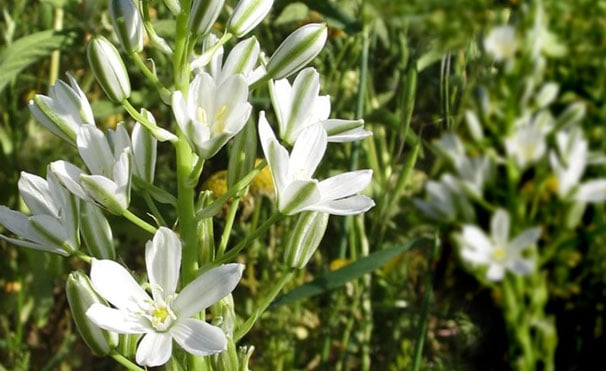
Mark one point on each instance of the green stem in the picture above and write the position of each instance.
(233, 253)
(125, 361)
(271, 295)
(158, 132)
(229, 223)
(56, 54)
(149, 201)
(151, 76)
(139, 222)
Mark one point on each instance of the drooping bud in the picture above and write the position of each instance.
(109, 69)
(80, 296)
(128, 25)
(247, 15)
(305, 238)
(203, 15)
(299, 48)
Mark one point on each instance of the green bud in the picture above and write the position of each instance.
(299, 48)
(174, 6)
(203, 15)
(106, 63)
(228, 359)
(128, 25)
(247, 15)
(305, 238)
(80, 296)
(96, 232)
(242, 155)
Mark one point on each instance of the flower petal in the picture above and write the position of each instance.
(495, 272)
(521, 266)
(592, 191)
(94, 150)
(113, 282)
(499, 227)
(524, 240)
(154, 349)
(207, 289)
(344, 185)
(307, 152)
(299, 195)
(475, 239)
(69, 176)
(163, 259)
(199, 338)
(37, 195)
(116, 320)
(344, 206)
(276, 155)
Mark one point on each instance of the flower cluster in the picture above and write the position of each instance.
(211, 105)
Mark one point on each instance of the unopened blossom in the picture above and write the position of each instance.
(526, 145)
(165, 315)
(212, 113)
(292, 174)
(299, 106)
(497, 251)
(64, 110)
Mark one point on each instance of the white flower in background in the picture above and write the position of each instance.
(292, 174)
(445, 200)
(300, 106)
(109, 161)
(166, 315)
(212, 113)
(569, 167)
(501, 42)
(53, 225)
(498, 252)
(64, 110)
(526, 145)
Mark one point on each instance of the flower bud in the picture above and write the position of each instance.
(203, 15)
(242, 155)
(299, 48)
(174, 6)
(107, 65)
(247, 15)
(80, 296)
(96, 232)
(305, 238)
(128, 25)
(145, 150)
(228, 359)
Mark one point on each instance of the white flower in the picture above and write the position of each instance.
(569, 167)
(212, 113)
(64, 110)
(497, 251)
(292, 174)
(501, 42)
(526, 145)
(109, 161)
(445, 200)
(300, 106)
(165, 315)
(53, 225)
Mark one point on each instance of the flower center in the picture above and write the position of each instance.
(219, 125)
(499, 253)
(161, 316)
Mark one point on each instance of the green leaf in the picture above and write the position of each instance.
(340, 277)
(27, 50)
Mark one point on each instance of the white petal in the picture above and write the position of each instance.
(299, 195)
(69, 176)
(345, 206)
(307, 152)
(154, 349)
(34, 245)
(199, 338)
(524, 240)
(180, 109)
(15, 221)
(305, 91)
(276, 155)
(521, 266)
(476, 239)
(345, 184)
(116, 285)
(144, 148)
(94, 150)
(163, 259)
(592, 191)
(499, 227)
(495, 272)
(37, 195)
(282, 101)
(207, 289)
(116, 320)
